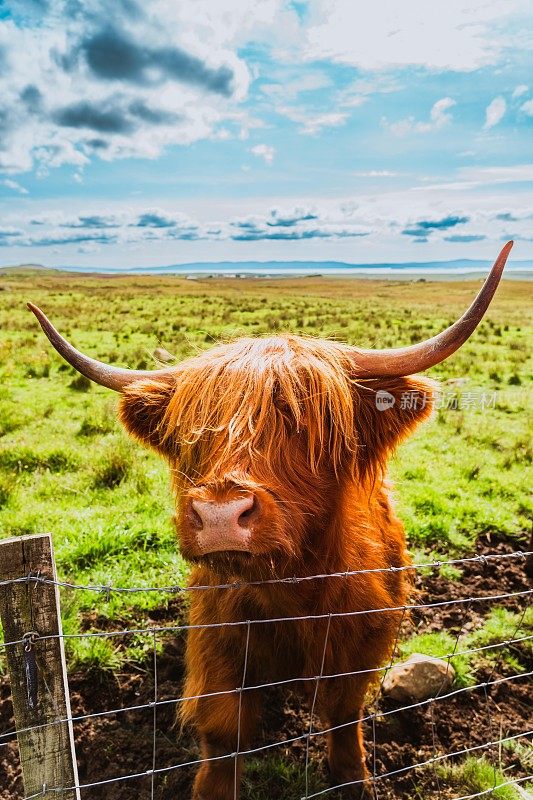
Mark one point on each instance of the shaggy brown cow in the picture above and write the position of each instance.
(277, 449)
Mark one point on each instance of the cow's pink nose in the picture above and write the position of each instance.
(224, 525)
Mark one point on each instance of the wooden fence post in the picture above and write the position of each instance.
(30, 610)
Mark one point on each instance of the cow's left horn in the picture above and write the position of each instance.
(106, 375)
(400, 361)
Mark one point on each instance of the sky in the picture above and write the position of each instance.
(139, 134)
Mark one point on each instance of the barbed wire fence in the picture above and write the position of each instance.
(34, 679)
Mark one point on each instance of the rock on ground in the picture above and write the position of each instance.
(418, 678)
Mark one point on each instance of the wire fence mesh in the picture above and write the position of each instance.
(498, 672)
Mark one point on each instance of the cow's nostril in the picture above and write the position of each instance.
(195, 517)
(247, 513)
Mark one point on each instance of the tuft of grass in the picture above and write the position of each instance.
(38, 369)
(478, 775)
(261, 775)
(24, 459)
(7, 485)
(94, 654)
(107, 544)
(502, 625)
(80, 384)
(451, 572)
(424, 556)
(521, 750)
(11, 419)
(97, 423)
(114, 464)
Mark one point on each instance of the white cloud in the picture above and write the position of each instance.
(516, 173)
(89, 248)
(288, 88)
(316, 122)
(375, 84)
(472, 177)
(452, 186)
(377, 173)
(264, 151)
(358, 92)
(311, 122)
(527, 108)
(458, 34)
(352, 101)
(439, 116)
(495, 112)
(16, 187)
(520, 90)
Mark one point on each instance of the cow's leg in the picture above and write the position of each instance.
(341, 705)
(217, 722)
(223, 717)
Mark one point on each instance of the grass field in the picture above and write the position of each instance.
(67, 467)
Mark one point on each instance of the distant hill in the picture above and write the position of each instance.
(458, 267)
(470, 265)
(24, 266)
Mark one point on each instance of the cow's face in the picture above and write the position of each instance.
(262, 435)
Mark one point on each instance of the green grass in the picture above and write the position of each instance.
(477, 775)
(524, 751)
(288, 778)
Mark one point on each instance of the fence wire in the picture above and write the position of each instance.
(313, 731)
(108, 589)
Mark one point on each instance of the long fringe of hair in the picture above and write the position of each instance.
(248, 399)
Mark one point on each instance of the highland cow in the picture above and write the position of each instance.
(278, 449)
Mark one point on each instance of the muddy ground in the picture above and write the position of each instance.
(122, 744)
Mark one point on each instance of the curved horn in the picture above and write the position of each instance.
(400, 361)
(111, 377)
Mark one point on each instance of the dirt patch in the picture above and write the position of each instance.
(123, 744)
(491, 577)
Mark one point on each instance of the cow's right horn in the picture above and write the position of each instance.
(399, 361)
(104, 374)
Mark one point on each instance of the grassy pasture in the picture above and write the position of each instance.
(67, 467)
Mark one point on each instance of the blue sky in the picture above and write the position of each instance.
(139, 134)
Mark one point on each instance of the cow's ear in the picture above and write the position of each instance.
(387, 410)
(142, 410)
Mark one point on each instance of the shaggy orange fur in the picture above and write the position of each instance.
(285, 419)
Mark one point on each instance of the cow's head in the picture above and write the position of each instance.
(261, 433)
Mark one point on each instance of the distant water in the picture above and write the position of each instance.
(430, 270)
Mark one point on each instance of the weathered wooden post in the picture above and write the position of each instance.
(29, 611)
